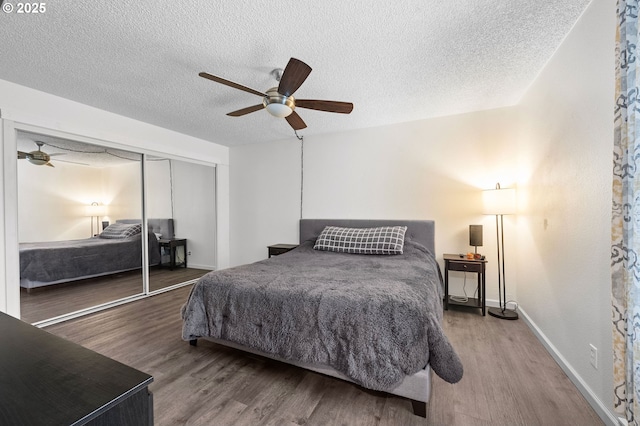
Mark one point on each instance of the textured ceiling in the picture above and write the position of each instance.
(73, 152)
(396, 61)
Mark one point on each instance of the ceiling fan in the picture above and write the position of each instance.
(39, 157)
(279, 101)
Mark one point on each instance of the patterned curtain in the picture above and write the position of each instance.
(625, 262)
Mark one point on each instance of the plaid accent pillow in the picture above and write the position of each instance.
(121, 230)
(381, 240)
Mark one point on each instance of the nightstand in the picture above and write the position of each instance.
(453, 262)
(277, 249)
(172, 244)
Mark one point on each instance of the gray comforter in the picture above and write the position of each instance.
(59, 261)
(374, 318)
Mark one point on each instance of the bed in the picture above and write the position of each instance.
(117, 249)
(371, 319)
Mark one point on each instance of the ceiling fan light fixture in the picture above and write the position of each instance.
(279, 110)
(37, 161)
(278, 105)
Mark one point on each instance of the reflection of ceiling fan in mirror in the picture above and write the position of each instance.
(39, 157)
(279, 101)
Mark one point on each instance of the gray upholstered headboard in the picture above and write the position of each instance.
(422, 231)
(157, 226)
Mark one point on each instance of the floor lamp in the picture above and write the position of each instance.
(94, 211)
(499, 202)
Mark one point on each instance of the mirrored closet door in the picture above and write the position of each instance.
(180, 200)
(79, 225)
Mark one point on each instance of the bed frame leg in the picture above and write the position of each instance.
(193, 342)
(419, 408)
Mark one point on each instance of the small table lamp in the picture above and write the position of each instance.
(475, 237)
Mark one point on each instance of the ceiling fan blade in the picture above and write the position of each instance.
(246, 110)
(230, 84)
(57, 153)
(22, 155)
(295, 121)
(328, 106)
(295, 73)
(72, 162)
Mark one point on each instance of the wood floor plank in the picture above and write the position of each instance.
(397, 411)
(509, 377)
(470, 397)
(297, 408)
(332, 411)
(280, 383)
(51, 301)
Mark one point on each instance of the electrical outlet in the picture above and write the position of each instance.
(593, 356)
(189, 253)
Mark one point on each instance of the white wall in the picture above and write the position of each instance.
(122, 192)
(52, 201)
(158, 181)
(265, 198)
(431, 169)
(25, 108)
(566, 147)
(194, 211)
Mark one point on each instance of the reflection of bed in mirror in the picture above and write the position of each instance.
(117, 249)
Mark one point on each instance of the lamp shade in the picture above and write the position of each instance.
(499, 200)
(95, 209)
(475, 235)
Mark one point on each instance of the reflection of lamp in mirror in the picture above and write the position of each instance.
(94, 211)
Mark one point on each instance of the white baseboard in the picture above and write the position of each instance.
(601, 409)
(197, 266)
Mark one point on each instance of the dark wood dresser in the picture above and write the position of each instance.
(46, 380)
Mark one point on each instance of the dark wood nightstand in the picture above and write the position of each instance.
(453, 262)
(277, 249)
(172, 244)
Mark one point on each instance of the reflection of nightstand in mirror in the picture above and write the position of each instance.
(171, 245)
(277, 249)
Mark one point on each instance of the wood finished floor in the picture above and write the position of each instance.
(509, 377)
(54, 300)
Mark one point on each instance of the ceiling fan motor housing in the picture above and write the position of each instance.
(38, 157)
(278, 105)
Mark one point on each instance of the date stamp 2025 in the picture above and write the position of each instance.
(24, 8)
